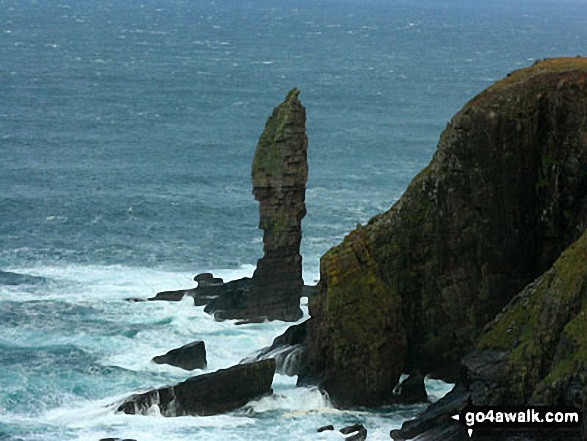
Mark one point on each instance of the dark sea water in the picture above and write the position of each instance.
(127, 130)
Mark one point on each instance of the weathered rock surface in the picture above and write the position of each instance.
(279, 174)
(189, 357)
(209, 394)
(535, 351)
(504, 195)
(532, 353)
(287, 350)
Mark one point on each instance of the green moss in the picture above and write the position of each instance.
(268, 160)
(573, 358)
(541, 321)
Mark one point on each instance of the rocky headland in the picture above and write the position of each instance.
(483, 227)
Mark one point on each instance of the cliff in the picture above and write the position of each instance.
(537, 346)
(504, 195)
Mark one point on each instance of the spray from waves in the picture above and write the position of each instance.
(288, 358)
(93, 349)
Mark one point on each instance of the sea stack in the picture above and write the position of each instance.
(280, 173)
(504, 195)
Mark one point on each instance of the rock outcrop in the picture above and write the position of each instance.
(535, 351)
(504, 195)
(287, 350)
(279, 174)
(189, 357)
(209, 394)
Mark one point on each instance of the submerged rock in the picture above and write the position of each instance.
(117, 439)
(189, 357)
(504, 195)
(209, 394)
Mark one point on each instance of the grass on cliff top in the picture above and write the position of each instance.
(551, 65)
(565, 65)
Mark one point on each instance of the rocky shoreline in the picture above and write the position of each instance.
(477, 275)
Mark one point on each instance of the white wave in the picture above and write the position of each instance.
(296, 401)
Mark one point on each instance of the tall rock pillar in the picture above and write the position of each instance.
(280, 173)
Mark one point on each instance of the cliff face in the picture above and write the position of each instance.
(504, 195)
(537, 345)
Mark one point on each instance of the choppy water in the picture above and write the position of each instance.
(127, 129)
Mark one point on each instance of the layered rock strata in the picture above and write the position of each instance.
(209, 394)
(504, 195)
(279, 175)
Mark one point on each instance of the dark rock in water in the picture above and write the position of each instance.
(209, 394)
(411, 390)
(448, 431)
(135, 299)
(117, 439)
(10, 278)
(360, 435)
(503, 196)
(436, 415)
(294, 335)
(287, 350)
(208, 288)
(171, 296)
(189, 357)
(325, 428)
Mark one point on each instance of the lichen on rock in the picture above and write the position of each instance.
(504, 195)
(279, 174)
(542, 333)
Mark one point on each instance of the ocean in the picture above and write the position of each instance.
(127, 131)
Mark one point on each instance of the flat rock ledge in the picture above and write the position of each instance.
(210, 394)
